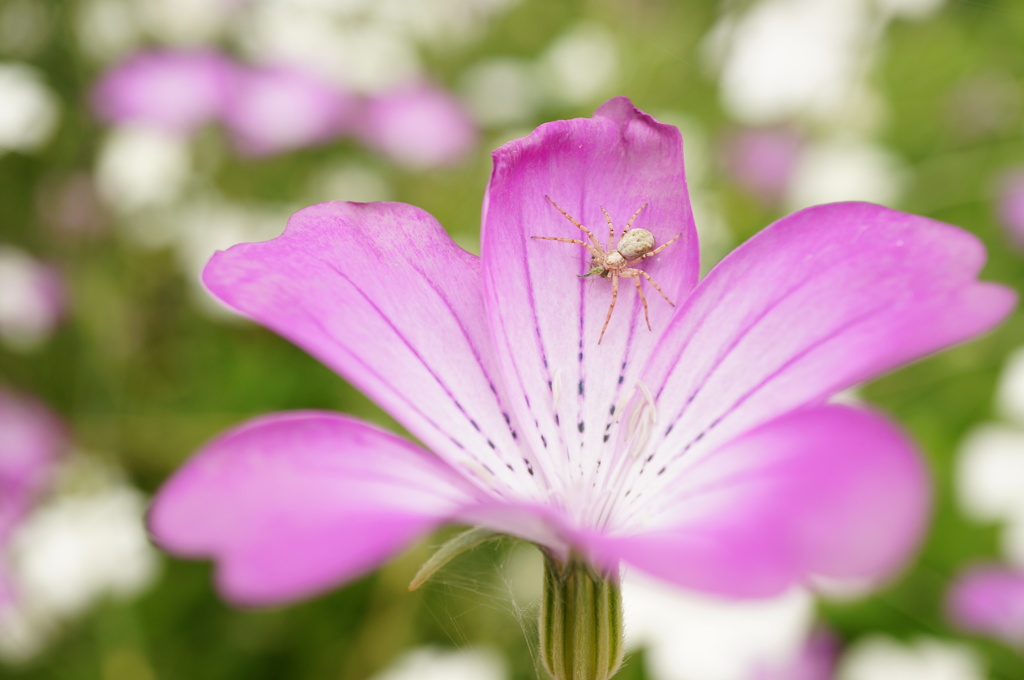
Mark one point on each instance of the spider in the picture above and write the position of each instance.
(634, 245)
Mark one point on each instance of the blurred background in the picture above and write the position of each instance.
(139, 136)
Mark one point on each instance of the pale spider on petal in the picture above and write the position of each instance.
(634, 245)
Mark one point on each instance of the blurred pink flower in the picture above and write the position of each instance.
(762, 160)
(174, 90)
(31, 439)
(704, 452)
(1011, 205)
(990, 600)
(280, 108)
(816, 660)
(418, 126)
(32, 298)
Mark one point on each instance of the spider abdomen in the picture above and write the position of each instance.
(634, 243)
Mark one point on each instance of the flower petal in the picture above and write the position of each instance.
(989, 599)
(819, 301)
(382, 295)
(547, 321)
(830, 491)
(293, 503)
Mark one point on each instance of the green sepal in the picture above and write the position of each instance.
(454, 547)
(580, 622)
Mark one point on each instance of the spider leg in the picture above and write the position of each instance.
(611, 229)
(572, 219)
(660, 248)
(643, 300)
(630, 223)
(652, 282)
(611, 308)
(593, 251)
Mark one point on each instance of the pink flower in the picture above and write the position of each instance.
(418, 126)
(33, 299)
(31, 439)
(704, 451)
(176, 91)
(280, 108)
(762, 160)
(1010, 205)
(990, 600)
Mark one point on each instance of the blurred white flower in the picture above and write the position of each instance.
(845, 169)
(689, 636)
(106, 29)
(787, 58)
(910, 9)
(202, 225)
(185, 22)
(1010, 392)
(364, 56)
(440, 22)
(88, 542)
(348, 182)
(502, 91)
(140, 168)
(991, 473)
(881, 658)
(29, 112)
(990, 464)
(32, 299)
(581, 65)
(428, 663)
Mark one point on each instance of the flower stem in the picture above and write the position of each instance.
(580, 622)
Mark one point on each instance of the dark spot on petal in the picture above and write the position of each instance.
(557, 421)
(508, 421)
(493, 388)
(668, 430)
(699, 437)
(515, 435)
(457, 443)
(607, 437)
(581, 387)
(611, 411)
(544, 441)
(545, 360)
(581, 356)
(661, 471)
(621, 379)
(459, 406)
(580, 426)
(511, 469)
(491, 444)
(473, 423)
(488, 468)
(551, 387)
(649, 458)
(629, 491)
